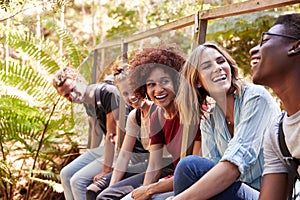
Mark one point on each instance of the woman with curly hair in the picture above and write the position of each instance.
(154, 71)
(232, 132)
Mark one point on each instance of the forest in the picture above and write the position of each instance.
(40, 132)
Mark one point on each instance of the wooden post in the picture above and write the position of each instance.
(95, 63)
(122, 106)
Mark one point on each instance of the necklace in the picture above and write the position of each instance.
(228, 121)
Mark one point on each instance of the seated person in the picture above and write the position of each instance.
(232, 131)
(78, 174)
(155, 70)
(135, 144)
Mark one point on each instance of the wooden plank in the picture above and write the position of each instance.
(181, 23)
(214, 13)
(109, 44)
(244, 8)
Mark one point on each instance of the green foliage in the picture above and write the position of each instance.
(126, 21)
(238, 34)
(163, 12)
(73, 56)
(56, 187)
(36, 125)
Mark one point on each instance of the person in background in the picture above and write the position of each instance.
(134, 154)
(155, 71)
(232, 130)
(275, 63)
(104, 97)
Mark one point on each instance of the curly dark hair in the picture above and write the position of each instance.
(143, 62)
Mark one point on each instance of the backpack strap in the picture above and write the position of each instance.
(138, 117)
(291, 161)
(138, 114)
(98, 95)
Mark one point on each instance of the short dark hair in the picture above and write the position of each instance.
(291, 22)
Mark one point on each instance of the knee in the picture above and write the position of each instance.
(74, 182)
(193, 163)
(65, 175)
(186, 163)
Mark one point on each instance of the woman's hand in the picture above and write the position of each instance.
(98, 176)
(141, 193)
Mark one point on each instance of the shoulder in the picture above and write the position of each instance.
(272, 133)
(131, 120)
(255, 90)
(273, 158)
(132, 114)
(107, 88)
(155, 114)
(209, 118)
(252, 92)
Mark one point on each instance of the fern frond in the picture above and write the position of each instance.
(41, 50)
(23, 77)
(72, 53)
(57, 187)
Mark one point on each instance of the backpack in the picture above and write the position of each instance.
(138, 147)
(291, 161)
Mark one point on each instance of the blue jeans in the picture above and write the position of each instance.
(79, 174)
(132, 170)
(127, 185)
(190, 169)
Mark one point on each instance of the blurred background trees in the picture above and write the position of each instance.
(41, 132)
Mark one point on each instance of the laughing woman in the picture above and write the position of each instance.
(155, 72)
(232, 131)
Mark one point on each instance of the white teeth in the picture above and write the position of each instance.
(134, 100)
(254, 61)
(223, 77)
(160, 96)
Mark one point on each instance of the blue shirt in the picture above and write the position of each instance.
(253, 113)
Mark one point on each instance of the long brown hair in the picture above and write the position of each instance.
(192, 100)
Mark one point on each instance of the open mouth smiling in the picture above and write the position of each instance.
(254, 62)
(160, 97)
(220, 78)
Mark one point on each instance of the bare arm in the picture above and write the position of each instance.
(152, 175)
(274, 186)
(109, 147)
(212, 183)
(197, 148)
(163, 186)
(155, 164)
(123, 159)
(145, 192)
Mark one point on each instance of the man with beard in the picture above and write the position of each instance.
(102, 99)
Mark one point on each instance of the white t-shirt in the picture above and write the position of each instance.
(274, 162)
(291, 129)
(133, 129)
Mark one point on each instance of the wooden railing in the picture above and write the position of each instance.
(199, 21)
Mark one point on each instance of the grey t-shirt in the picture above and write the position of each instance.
(274, 161)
